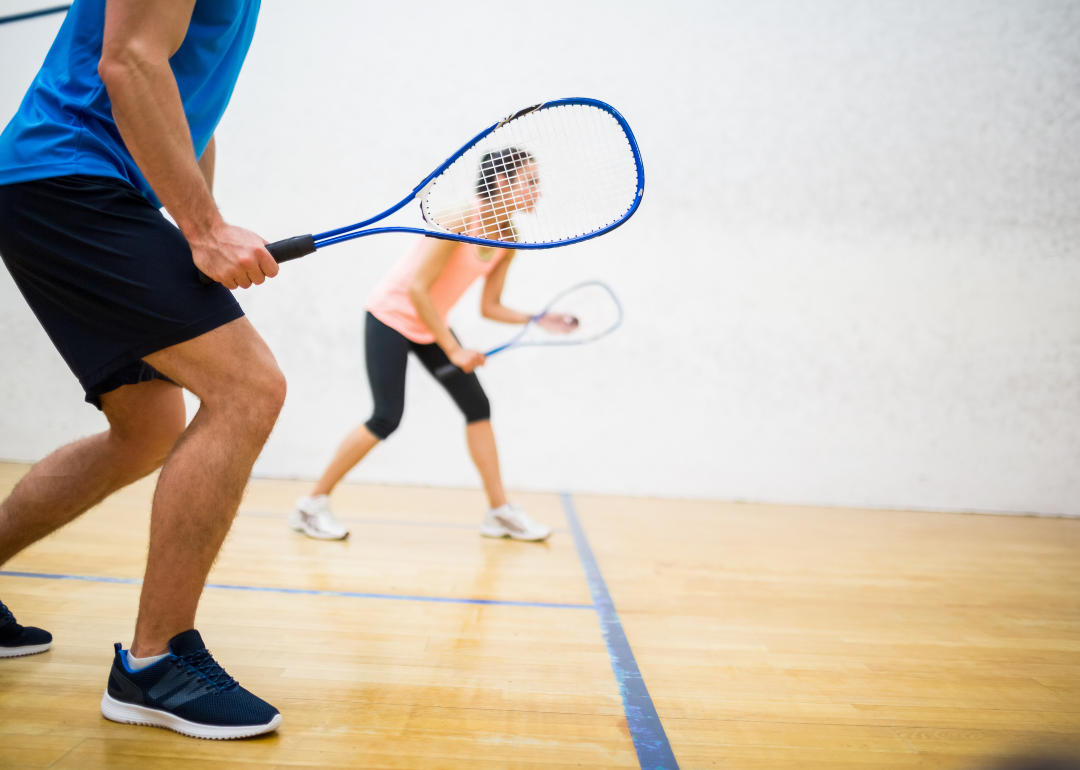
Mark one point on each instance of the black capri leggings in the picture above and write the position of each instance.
(387, 354)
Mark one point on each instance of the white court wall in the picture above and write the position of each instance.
(854, 278)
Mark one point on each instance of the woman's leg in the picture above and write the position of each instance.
(485, 456)
(386, 353)
(469, 395)
(350, 452)
(502, 519)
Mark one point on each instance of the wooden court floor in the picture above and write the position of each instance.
(768, 636)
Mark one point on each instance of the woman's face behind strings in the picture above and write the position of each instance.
(522, 191)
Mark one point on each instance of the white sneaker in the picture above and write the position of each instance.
(314, 518)
(511, 521)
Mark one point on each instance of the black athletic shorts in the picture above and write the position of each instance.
(386, 351)
(106, 274)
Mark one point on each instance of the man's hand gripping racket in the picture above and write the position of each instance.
(549, 175)
(579, 315)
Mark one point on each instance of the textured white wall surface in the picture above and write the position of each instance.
(854, 279)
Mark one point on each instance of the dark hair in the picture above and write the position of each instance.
(505, 162)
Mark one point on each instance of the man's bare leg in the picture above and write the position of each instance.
(144, 422)
(235, 376)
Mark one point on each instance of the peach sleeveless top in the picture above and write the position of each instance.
(389, 300)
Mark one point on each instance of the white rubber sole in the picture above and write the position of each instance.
(314, 533)
(503, 532)
(15, 652)
(130, 714)
(304, 530)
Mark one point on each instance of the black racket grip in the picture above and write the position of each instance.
(281, 251)
(291, 248)
(446, 371)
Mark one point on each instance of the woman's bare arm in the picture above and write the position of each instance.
(431, 267)
(491, 305)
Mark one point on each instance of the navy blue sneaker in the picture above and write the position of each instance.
(188, 692)
(18, 640)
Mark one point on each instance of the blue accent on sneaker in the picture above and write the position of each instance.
(16, 640)
(187, 691)
(127, 664)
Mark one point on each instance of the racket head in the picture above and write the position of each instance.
(549, 175)
(593, 307)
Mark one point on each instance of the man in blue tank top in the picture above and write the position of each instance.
(119, 122)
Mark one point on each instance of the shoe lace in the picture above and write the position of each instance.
(5, 615)
(205, 665)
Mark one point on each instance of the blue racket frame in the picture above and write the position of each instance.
(342, 234)
(33, 14)
(302, 245)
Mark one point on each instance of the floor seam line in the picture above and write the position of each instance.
(59, 758)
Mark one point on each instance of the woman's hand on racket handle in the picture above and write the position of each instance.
(467, 360)
(557, 323)
(233, 256)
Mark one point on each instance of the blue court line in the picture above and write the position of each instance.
(651, 742)
(312, 592)
(33, 14)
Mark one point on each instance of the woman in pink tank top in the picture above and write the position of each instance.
(407, 311)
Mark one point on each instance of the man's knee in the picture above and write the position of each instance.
(274, 389)
(263, 395)
(162, 434)
(145, 421)
(233, 372)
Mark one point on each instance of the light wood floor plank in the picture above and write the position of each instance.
(770, 637)
(760, 630)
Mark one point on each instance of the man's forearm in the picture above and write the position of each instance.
(206, 164)
(150, 116)
(139, 39)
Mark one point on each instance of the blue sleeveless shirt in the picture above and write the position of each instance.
(65, 123)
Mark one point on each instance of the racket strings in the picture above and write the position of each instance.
(550, 175)
(606, 180)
